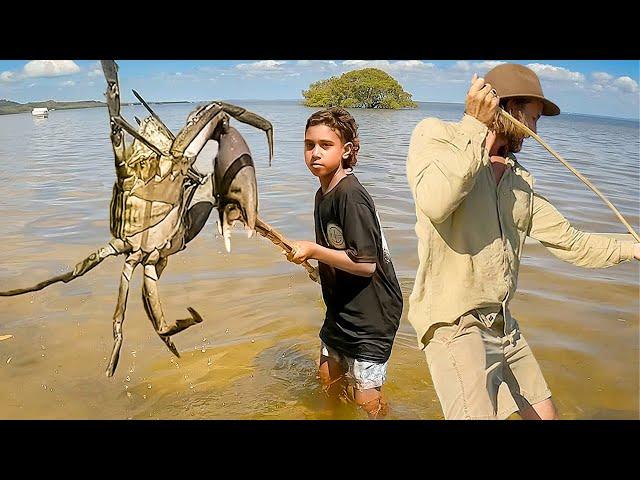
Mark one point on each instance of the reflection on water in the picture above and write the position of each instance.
(255, 355)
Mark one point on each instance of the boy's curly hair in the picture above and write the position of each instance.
(341, 122)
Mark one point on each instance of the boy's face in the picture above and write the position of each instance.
(324, 150)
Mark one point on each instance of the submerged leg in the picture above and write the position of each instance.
(114, 247)
(130, 265)
(152, 270)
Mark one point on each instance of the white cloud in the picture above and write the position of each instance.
(386, 65)
(412, 65)
(320, 64)
(7, 76)
(604, 80)
(463, 66)
(551, 72)
(476, 67)
(95, 69)
(626, 84)
(261, 66)
(50, 68)
(601, 78)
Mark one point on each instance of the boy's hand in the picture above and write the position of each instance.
(636, 251)
(302, 250)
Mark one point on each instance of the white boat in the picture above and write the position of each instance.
(40, 112)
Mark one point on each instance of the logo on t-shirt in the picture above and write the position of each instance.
(335, 237)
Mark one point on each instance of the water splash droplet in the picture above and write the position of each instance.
(128, 378)
(9, 360)
(144, 397)
(209, 362)
(203, 350)
(149, 386)
(129, 394)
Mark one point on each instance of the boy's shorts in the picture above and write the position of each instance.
(360, 374)
(483, 368)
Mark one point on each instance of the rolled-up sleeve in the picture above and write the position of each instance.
(441, 168)
(591, 250)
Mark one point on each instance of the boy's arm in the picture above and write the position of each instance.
(442, 170)
(304, 250)
(574, 246)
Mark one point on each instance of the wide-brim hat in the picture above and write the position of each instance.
(515, 80)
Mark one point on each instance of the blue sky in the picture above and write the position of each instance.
(597, 87)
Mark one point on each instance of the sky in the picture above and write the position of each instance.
(592, 87)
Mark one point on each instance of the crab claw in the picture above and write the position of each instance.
(243, 192)
(235, 181)
(229, 215)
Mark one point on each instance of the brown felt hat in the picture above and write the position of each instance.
(515, 80)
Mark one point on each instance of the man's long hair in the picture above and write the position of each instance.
(503, 126)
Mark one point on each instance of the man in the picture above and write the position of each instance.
(475, 205)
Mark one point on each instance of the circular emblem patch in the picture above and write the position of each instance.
(334, 232)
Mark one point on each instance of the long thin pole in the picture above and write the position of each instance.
(270, 233)
(573, 170)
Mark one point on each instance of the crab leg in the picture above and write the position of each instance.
(130, 265)
(114, 247)
(148, 308)
(152, 270)
(154, 115)
(110, 69)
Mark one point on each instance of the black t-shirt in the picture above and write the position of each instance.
(363, 313)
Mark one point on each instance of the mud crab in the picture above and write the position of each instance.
(160, 202)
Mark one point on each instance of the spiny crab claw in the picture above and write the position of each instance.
(235, 184)
(242, 208)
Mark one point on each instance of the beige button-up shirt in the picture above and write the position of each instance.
(471, 231)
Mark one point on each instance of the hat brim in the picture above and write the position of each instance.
(549, 108)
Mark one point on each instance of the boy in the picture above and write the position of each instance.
(359, 285)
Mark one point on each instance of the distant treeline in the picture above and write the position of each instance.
(7, 106)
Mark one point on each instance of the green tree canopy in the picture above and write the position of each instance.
(366, 88)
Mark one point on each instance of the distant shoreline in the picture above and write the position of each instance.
(8, 107)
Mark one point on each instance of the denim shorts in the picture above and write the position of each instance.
(360, 374)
